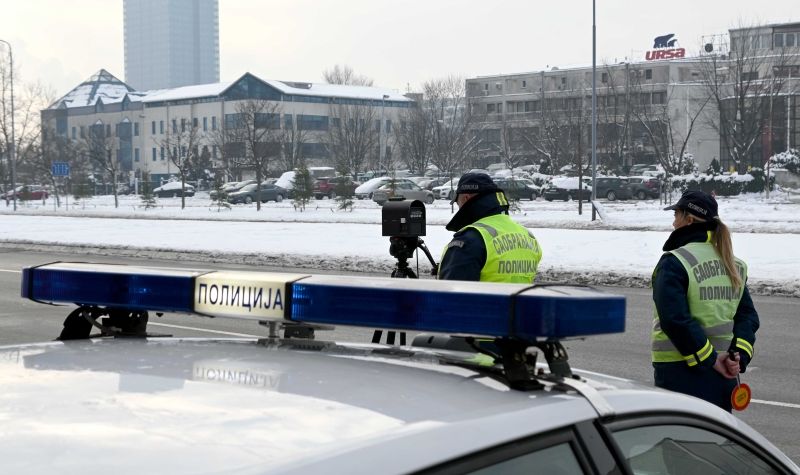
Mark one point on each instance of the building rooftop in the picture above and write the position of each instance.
(104, 86)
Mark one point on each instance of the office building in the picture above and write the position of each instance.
(171, 43)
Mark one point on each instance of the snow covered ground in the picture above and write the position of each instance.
(622, 249)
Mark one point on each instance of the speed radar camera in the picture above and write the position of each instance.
(403, 218)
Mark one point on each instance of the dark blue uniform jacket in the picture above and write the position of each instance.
(466, 253)
(670, 287)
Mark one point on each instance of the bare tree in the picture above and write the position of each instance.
(414, 137)
(344, 74)
(456, 133)
(182, 147)
(256, 134)
(353, 137)
(28, 101)
(293, 137)
(743, 85)
(100, 146)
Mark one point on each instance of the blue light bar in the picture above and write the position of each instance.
(108, 285)
(456, 307)
(475, 308)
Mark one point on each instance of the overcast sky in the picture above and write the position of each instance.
(399, 43)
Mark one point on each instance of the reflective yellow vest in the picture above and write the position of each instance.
(512, 253)
(712, 302)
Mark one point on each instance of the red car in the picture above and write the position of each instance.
(28, 192)
(330, 186)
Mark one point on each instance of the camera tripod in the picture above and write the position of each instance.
(402, 249)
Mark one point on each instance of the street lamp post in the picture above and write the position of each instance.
(12, 146)
(382, 151)
(594, 113)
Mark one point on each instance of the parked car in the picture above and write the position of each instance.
(405, 189)
(518, 189)
(434, 182)
(172, 189)
(566, 188)
(364, 191)
(28, 192)
(332, 186)
(231, 187)
(613, 188)
(251, 192)
(447, 190)
(644, 187)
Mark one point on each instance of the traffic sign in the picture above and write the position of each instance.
(60, 169)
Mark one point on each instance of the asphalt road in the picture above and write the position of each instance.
(773, 374)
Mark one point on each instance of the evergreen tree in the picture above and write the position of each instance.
(303, 188)
(220, 199)
(344, 192)
(146, 192)
(714, 168)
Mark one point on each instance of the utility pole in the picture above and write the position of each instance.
(594, 113)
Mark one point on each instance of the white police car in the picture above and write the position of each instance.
(134, 404)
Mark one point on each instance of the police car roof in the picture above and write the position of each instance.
(198, 405)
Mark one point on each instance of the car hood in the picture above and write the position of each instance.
(192, 405)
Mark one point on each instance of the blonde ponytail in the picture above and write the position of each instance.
(724, 246)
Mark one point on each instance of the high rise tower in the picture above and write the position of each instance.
(171, 43)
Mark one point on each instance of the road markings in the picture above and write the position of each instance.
(776, 403)
(206, 330)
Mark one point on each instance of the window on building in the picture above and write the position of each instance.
(388, 126)
(183, 125)
(288, 122)
(161, 127)
(162, 154)
(174, 126)
(524, 84)
(205, 124)
(336, 122)
(155, 154)
(486, 87)
(490, 108)
(135, 129)
(312, 122)
(604, 78)
(194, 123)
(214, 152)
(789, 39)
(234, 121)
(153, 128)
(659, 97)
(648, 74)
(213, 122)
(74, 133)
(108, 130)
(135, 154)
(777, 40)
(499, 107)
(563, 80)
(750, 76)
(268, 120)
(83, 132)
(377, 126)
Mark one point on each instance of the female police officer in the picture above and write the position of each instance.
(702, 305)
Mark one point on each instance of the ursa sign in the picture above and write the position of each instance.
(663, 48)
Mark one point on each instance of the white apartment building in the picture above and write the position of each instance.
(138, 122)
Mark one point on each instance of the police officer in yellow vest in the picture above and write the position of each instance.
(487, 245)
(702, 306)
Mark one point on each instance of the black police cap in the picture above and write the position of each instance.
(478, 183)
(697, 203)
